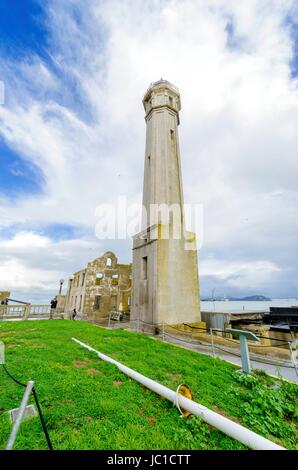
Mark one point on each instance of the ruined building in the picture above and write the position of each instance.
(101, 289)
(165, 271)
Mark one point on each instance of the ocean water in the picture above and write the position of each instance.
(245, 305)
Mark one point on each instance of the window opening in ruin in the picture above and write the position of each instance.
(98, 279)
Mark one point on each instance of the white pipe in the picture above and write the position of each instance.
(225, 425)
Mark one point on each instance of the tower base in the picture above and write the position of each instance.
(165, 279)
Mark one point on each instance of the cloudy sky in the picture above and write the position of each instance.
(72, 133)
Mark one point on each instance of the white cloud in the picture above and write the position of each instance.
(32, 264)
(26, 240)
(81, 122)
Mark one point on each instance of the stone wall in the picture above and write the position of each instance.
(102, 288)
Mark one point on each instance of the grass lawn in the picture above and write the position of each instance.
(90, 404)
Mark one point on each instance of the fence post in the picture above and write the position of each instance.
(20, 415)
(109, 323)
(163, 331)
(292, 357)
(138, 325)
(212, 342)
(26, 312)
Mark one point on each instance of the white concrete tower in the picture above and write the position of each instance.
(165, 271)
(162, 172)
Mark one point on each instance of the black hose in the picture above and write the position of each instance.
(41, 417)
(42, 420)
(12, 377)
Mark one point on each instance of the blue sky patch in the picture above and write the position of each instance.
(59, 232)
(17, 176)
(22, 27)
(24, 35)
(294, 65)
(293, 25)
(56, 232)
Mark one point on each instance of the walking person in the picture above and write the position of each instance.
(74, 313)
(53, 307)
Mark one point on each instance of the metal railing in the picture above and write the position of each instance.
(188, 338)
(23, 312)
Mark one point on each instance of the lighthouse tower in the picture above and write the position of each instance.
(165, 271)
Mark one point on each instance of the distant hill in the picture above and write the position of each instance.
(253, 298)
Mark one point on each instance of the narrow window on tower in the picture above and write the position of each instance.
(171, 101)
(172, 134)
(144, 268)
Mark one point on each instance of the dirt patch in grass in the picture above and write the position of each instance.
(65, 402)
(93, 371)
(11, 345)
(152, 420)
(117, 383)
(37, 346)
(81, 364)
(176, 377)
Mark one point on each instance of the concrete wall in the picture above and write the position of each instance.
(170, 291)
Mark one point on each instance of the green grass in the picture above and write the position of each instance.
(90, 404)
